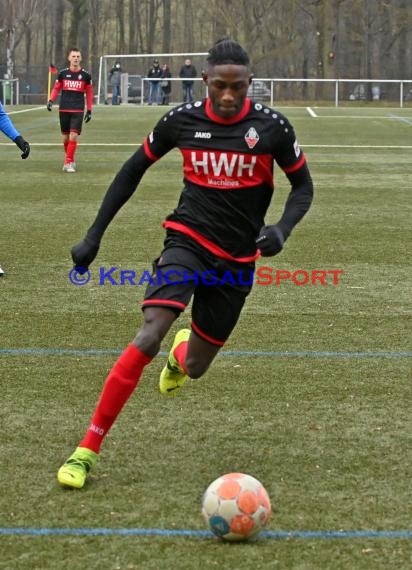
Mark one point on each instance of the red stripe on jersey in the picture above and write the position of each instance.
(227, 170)
(207, 244)
(229, 121)
(71, 110)
(296, 166)
(206, 337)
(164, 303)
(148, 152)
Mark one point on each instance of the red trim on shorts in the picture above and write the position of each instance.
(206, 337)
(296, 166)
(164, 302)
(207, 244)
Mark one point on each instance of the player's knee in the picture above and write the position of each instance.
(148, 341)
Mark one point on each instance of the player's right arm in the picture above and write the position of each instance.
(55, 92)
(119, 192)
(125, 183)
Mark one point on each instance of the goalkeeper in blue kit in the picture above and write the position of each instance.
(7, 128)
(229, 145)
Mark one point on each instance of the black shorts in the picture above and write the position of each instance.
(219, 289)
(70, 121)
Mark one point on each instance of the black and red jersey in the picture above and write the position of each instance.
(228, 169)
(73, 86)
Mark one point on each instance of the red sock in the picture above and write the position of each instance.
(119, 386)
(65, 144)
(180, 353)
(71, 149)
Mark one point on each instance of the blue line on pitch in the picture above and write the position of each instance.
(236, 353)
(21, 531)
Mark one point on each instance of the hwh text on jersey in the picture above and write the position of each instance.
(226, 164)
(72, 84)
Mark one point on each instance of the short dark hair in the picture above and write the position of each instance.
(227, 51)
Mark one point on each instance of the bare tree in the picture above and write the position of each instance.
(167, 26)
(79, 9)
(58, 55)
(17, 19)
(285, 38)
(121, 39)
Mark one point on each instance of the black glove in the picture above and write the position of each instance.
(23, 146)
(270, 240)
(49, 105)
(88, 116)
(83, 253)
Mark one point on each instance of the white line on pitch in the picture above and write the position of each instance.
(26, 110)
(311, 112)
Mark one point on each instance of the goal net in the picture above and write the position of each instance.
(134, 86)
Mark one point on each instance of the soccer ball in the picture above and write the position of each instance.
(236, 506)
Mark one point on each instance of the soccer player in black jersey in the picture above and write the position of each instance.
(74, 83)
(229, 145)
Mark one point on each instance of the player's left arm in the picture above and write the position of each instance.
(292, 160)
(299, 199)
(89, 101)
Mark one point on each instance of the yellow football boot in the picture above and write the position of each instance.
(172, 376)
(74, 471)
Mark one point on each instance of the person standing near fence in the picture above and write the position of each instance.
(187, 72)
(74, 83)
(165, 84)
(115, 76)
(155, 75)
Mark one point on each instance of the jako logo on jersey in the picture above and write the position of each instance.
(202, 135)
(222, 163)
(297, 149)
(251, 138)
(72, 84)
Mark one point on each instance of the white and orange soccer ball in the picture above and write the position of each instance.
(236, 506)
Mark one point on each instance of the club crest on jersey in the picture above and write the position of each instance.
(251, 138)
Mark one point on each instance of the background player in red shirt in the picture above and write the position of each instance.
(73, 82)
(229, 145)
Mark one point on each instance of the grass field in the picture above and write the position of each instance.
(312, 393)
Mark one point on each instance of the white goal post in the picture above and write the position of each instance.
(9, 91)
(134, 83)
